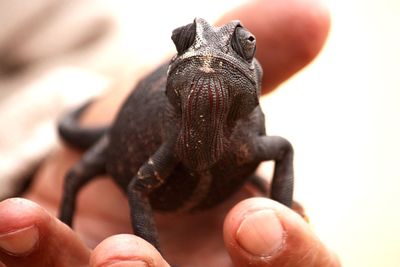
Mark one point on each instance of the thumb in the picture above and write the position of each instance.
(29, 236)
(259, 232)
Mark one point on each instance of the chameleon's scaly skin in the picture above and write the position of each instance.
(190, 134)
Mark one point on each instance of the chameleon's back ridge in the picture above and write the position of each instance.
(190, 134)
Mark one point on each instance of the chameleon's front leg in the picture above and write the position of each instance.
(151, 175)
(281, 151)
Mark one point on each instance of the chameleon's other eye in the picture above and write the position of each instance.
(183, 37)
(244, 43)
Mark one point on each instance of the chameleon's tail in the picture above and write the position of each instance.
(75, 135)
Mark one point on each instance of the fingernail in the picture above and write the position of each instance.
(261, 233)
(20, 242)
(128, 263)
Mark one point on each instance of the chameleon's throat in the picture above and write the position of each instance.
(201, 140)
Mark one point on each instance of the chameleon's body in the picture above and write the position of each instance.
(189, 135)
(159, 124)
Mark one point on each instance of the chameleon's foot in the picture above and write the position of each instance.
(297, 207)
(262, 188)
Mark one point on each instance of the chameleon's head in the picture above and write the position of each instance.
(213, 81)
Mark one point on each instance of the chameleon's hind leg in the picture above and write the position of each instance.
(280, 150)
(91, 165)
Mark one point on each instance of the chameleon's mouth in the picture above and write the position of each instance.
(201, 140)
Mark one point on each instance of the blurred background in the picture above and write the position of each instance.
(343, 118)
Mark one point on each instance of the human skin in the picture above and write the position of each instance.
(243, 231)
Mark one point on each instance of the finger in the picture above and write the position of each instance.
(290, 33)
(29, 236)
(126, 250)
(259, 232)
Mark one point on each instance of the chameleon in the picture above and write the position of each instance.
(189, 135)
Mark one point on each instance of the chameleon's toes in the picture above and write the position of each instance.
(297, 207)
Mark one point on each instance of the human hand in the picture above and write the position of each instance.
(289, 34)
(257, 232)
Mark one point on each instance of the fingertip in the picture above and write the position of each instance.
(253, 232)
(30, 236)
(311, 21)
(20, 224)
(126, 250)
(19, 212)
(262, 232)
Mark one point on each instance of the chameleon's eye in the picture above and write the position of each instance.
(183, 37)
(244, 43)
